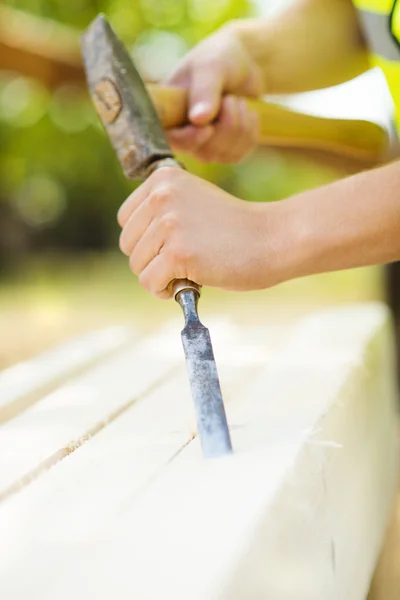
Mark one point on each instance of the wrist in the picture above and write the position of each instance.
(280, 243)
(312, 237)
(255, 38)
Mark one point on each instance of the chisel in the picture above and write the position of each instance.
(131, 122)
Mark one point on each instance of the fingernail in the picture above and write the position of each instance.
(201, 109)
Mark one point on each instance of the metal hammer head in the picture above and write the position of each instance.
(122, 101)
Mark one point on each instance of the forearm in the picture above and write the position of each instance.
(312, 45)
(354, 222)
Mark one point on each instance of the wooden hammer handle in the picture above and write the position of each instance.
(283, 127)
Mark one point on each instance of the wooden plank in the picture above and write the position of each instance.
(23, 384)
(91, 488)
(298, 512)
(95, 485)
(63, 420)
(66, 418)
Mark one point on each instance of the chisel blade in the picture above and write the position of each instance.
(204, 381)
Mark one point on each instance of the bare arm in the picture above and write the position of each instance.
(178, 226)
(312, 45)
(351, 223)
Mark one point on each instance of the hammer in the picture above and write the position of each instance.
(134, 129)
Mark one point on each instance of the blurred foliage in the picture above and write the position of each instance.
(60, 183)
(193, 19)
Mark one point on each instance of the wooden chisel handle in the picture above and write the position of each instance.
(283, 127)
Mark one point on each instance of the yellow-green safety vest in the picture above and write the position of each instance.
(380, 22)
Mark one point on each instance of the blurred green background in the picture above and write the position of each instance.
(61, 186)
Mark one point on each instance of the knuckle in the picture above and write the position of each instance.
(180, 254)
(170, 223)
(159, 197)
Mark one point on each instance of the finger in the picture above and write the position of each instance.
(181, 76)
(147, 248)
(189, 138)
(156, 277)
(226, 130)
(132, 202)
(248, 126)
(135, 228)
(235, 133)
(205, 94)
(154, 182)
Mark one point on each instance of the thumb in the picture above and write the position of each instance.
(205, 95)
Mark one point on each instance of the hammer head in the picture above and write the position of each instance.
(122, 101)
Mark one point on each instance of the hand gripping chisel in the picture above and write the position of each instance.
(134, 129)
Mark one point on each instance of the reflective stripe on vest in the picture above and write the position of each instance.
(380, 22)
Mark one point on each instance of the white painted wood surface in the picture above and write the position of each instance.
(133, 511)
(24, 383)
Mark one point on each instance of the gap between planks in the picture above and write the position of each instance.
(66, 418)
(59, 455)
(23, 384)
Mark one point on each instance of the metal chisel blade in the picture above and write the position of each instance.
(206, 392)
(204, 382)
